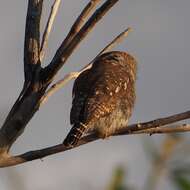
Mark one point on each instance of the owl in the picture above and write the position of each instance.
(103, 97)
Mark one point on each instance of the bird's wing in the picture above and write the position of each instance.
(96, 91)
(81, 88)
(92, 95)
(101, 99)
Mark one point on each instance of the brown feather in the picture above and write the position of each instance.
(104, 95)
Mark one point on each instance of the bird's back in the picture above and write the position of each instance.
(105, 93)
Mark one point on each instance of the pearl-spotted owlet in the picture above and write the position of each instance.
(103, 97)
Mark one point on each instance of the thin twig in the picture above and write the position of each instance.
(53, 13)
(117, 40)
(167, 129)
(54, 88)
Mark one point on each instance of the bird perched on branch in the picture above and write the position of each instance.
(103, 97)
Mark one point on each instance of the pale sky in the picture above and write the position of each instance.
(160, 42)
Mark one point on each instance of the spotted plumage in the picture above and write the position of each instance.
(103, 96)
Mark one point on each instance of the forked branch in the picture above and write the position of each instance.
(38, 79)
(64, 52)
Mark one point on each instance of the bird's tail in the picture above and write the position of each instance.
(74, 135)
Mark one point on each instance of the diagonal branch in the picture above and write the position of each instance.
(48, 28)
(64, 52)
(116, 41)
(154, 126)
(80, 21)
(54, 88)
(32, 37)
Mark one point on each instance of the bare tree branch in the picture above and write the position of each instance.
(48, 28)
(26, 104)
(54, 88)
(80, 21)
(116, 41)
(167, 129)
(154, 123)
(151, 127)
(15, 125)
(31, 47)
(64, 52)
(32, 37)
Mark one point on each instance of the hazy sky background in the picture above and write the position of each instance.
(161, 44)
